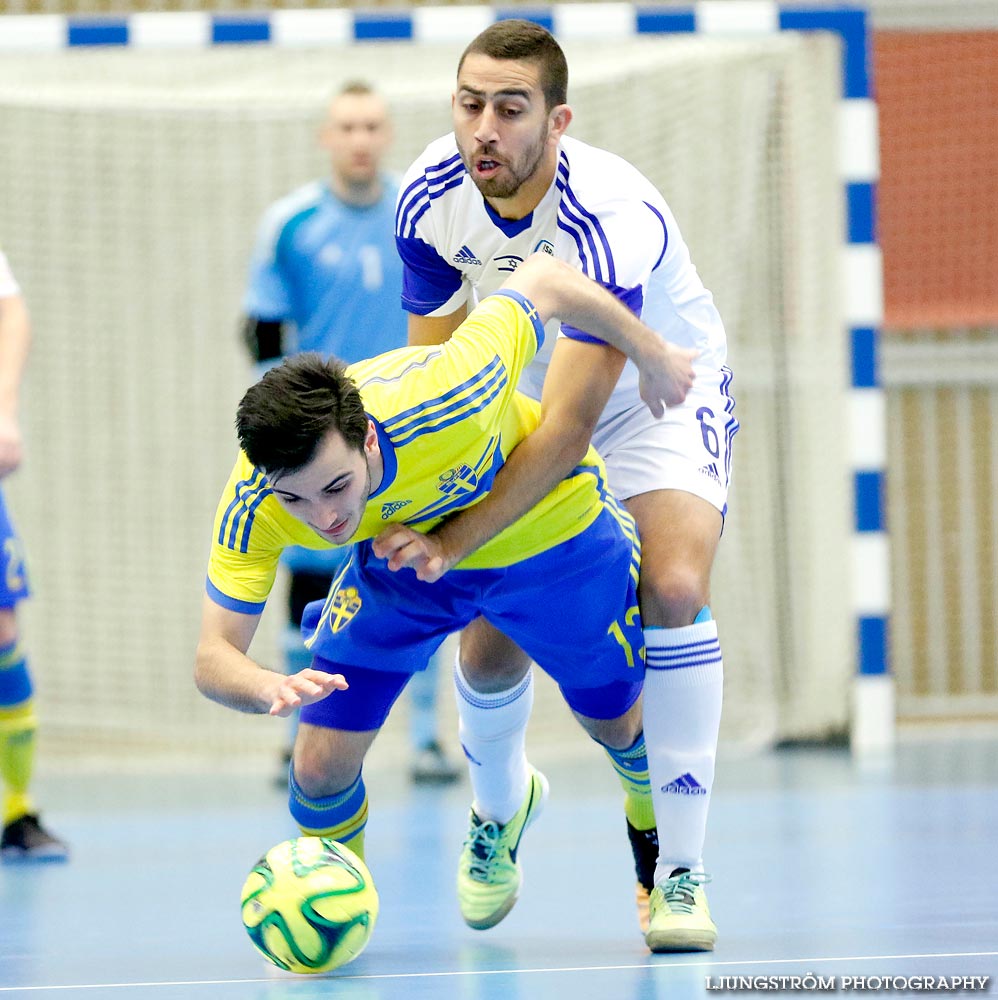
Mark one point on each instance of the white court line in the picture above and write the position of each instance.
(511, 972)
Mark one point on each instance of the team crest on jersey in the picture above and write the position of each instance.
(508, 262)
(387, 509)
(545, 246)
(456, 482)
(343, 606)
(466, 256)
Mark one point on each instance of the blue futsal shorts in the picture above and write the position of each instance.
(572, 609)
(13, 578)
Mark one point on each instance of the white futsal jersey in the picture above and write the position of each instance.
(600, 214)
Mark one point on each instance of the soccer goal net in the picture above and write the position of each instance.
(132, 183)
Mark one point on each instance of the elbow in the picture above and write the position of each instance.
(202, 673)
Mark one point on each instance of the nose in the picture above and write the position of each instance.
(326, 514)
(487, 130)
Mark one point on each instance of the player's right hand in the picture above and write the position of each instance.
(667, 377)
(404, 547)
(305, 688)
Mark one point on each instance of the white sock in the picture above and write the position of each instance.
(493, 729)
(682, 715)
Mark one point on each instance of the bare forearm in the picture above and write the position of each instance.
(228, 676)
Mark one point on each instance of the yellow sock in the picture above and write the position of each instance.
(631, 767)
(356, 844)
(17, 758)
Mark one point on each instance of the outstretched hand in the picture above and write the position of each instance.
(666, 377)
(305, 688)
(402, 547)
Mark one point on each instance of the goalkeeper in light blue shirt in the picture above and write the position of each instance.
(325, 276)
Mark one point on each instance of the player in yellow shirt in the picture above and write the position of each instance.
(333, 455)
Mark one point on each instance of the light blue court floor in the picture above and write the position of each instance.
(819, 866)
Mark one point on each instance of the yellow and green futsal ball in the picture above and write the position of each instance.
(309, 905)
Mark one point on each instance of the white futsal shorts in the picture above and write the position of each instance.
(688, 449)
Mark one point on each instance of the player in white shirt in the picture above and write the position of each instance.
(507, 183)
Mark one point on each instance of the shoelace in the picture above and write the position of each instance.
(678, 890)
(483, 840)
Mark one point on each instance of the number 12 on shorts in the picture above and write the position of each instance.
(617, 631)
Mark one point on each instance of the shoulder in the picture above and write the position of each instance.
(597, 176)
(291, 207)
(249, 517)
(441, 154)
(602, 191)
(429, 182)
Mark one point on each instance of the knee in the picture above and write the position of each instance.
(488, 673)
(318, 775)
(673, 597)
(617, 734)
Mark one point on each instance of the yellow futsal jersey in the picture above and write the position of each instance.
(446, 417)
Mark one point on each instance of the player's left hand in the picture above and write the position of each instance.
(304, 688)
(402, 547)
(667, 376)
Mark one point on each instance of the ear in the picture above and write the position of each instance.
(371, 446)
(558, 120)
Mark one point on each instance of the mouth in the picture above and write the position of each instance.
(487, 166)
(337, 530)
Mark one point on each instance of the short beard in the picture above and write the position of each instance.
(508, 186)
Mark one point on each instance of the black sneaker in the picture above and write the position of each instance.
(644, 847)
(431, 766)
(25, 839)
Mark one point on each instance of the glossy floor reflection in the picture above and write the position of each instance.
(819, 866)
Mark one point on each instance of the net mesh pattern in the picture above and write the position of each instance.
(132, 183)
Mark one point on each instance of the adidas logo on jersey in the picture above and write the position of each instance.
(685, 785)
(387, 509)
(466, 256)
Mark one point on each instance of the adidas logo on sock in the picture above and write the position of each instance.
(686, 784)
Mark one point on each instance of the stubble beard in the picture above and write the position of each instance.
(507, 184)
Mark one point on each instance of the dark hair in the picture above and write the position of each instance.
(283, 418)
(528, 42)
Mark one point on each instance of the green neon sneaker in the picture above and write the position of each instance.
(488, 873)
(679, 918)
